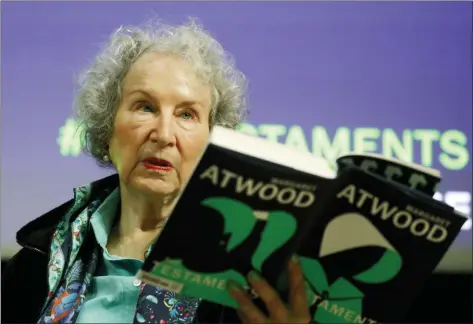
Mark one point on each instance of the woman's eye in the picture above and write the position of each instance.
(146, 108)
(187, 115)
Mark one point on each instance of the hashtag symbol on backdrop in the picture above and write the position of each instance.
(68, 139)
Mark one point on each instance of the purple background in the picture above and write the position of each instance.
(398, 65)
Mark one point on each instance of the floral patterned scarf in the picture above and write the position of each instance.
(74, 255)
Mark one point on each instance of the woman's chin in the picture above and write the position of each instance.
(156, 187)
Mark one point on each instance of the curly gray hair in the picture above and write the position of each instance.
(100, 85)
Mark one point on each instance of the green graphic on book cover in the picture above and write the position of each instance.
(342, 301)
(239, 221)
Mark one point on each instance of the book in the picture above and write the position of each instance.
(376, 240)
(246, 206)
(367, 238)
(415, 176)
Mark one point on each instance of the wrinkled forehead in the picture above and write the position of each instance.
(162, 75)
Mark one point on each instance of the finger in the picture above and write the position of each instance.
(243, 318)
(297, 293)
(276, 308)
(248, 311)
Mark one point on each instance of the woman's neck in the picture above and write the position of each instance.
(141, 219)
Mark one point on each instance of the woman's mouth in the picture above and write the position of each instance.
(156, 164)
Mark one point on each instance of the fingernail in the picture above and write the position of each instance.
(295, 259)
(233, 285)
(253, 275)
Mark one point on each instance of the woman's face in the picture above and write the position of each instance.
(161, 125)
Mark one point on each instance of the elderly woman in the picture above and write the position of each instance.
(147, 105)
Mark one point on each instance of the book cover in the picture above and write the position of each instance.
(245, 207)
(373, 245)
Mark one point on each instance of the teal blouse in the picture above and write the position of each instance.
(114, 289)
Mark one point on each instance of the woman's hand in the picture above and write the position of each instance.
(296, 312)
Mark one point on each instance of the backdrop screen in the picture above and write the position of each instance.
(327, 78)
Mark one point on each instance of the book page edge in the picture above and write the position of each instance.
(270, 151)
